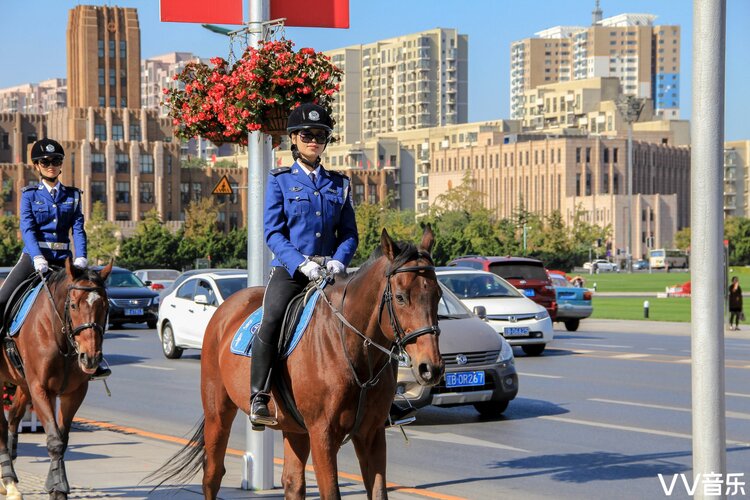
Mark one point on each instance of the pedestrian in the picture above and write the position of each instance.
(735, 304)
(309, 225)
(50, 212)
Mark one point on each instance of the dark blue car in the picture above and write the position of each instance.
(130, 299)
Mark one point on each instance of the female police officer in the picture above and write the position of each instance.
(308, 212)
(49, 212)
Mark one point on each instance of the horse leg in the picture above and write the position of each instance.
(219, 412)
(325, 447)
(371, 452)
(15, 415)
(296, 452)
(7, 455)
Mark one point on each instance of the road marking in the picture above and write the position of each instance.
(656, 349)
(449, 437)
(729, 414)
(152, 367)
(276, 460)
(601, 345)
(633, 355)
(540, 375)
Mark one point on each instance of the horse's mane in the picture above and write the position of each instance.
(405, 251)
(59, 276)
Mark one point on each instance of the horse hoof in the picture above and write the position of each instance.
(11, 492)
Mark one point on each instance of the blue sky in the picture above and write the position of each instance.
(32, 38)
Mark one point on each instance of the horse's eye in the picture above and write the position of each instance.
(73, 306)
(400, 298)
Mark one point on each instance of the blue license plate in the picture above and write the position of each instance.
(515, 331)
(464, 379)
(133, 312)
(528, 292)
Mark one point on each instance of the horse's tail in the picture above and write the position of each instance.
(184, 464)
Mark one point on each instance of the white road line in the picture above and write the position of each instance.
(628, 428)
(540, 375)
(656, 349)
(729, 414)
(152, 367)
(633, 355)
(449, 437)
(612, 346)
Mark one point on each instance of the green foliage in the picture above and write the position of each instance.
(682, 239)
(737, 231)
(151, 246)
(225, 164)
(102, 237)
(10, 244)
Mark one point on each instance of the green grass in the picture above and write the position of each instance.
(653, 283)
(670, 309)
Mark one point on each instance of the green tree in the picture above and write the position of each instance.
(682, 239)
(102, 235)
(10, 244)
(737, 232)
(200, 237)
(152, 245)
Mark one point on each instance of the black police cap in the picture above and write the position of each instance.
(309, 115)
(46, 148)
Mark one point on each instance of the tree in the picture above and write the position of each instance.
(102, 235)
(200, 237)
(10, 244)
(151, 246)
(737, 231)
(682, 239)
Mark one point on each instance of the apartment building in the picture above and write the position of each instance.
(157, 74)
(644, 57)
(39, 97)
(737, 178)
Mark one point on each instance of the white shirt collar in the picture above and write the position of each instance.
(57, 186)
(307, 170)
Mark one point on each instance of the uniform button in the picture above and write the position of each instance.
(54, 206)
(317, 213)
(316, 193)
(297, 198)
(317, 235)
(54, 220)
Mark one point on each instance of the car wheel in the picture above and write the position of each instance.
(533, 349)
(151, 323)
(168, 347)
(491, 408)
(572, 324)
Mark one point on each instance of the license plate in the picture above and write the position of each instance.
(528, 292)
(464, 379)
(133, 312)
(516, 331)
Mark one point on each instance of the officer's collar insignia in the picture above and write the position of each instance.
(49, 148)
(332, 190)
(314, 116)
(295, 171)
(296, 188)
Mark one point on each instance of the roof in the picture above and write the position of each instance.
(498, 258)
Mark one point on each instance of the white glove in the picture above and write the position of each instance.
(312, 270)
(40, 264)
(81, 262)
(335, 267)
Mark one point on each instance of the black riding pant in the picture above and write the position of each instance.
(281, 289)
(22, 270)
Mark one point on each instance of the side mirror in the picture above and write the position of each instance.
(201, 299)
(147, 283)
(480, 312)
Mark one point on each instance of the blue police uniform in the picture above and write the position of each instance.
(302, 219)
(47, 222)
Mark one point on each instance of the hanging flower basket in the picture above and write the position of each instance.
(223, 103)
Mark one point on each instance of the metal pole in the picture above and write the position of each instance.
(629, 250)
(257, 471)
(707, 328)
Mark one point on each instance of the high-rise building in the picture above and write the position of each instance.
(403, 83)
(643, 56)
(39, 97)
(157, 73)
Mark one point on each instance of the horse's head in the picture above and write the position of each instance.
(86, 308)
(411, 299)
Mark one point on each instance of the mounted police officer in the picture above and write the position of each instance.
(308, 213)
(49, 212)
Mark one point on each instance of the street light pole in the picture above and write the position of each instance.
(630, 108)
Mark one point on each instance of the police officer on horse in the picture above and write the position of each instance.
(50, 211)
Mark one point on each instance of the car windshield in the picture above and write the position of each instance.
(123, 280)
(519, 271)
(559, 280)
(477, 285)
(229, 286)
(450, 307)
(163, 274)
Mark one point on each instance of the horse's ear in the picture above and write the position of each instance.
(387, 245)
(104, 273)
(428, 239)
(72, 271)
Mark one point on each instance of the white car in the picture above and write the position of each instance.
(601, 265)
(157, 279)
(519, 319)
(185, 312)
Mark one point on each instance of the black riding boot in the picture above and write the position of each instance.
(401, 416)
(264, 356)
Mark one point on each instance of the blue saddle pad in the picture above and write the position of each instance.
(20, 317)
(242, 343)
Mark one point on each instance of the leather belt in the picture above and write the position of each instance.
(53, 245)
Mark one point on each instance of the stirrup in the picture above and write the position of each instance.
(259, 422)
(102, 372)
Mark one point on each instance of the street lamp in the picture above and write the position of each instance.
(630, 108)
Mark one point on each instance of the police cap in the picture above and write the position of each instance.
(307, 116)
(46, 148)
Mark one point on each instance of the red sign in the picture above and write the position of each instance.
(200, 11)
(324, 13)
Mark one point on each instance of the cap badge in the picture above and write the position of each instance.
(49, 148)
(314, 116)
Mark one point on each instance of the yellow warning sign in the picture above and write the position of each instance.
(223, 187)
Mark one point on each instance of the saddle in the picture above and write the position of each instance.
(16, 302)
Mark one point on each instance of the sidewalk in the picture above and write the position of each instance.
(103, 463)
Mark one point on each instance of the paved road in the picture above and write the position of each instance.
(600, 415)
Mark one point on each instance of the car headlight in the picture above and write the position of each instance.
(155, 301)
(403, 359)
(506, 353)
(541, 315)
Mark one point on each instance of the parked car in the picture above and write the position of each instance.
(157, 279)
(186, 311)
(601, 265)
(130, 300)
(640, 264)
(527, 275)
(573, 302)
(185, 275)
(509, 312)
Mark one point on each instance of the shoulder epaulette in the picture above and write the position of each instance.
(80, 191)
(280, 170)
(29, 188)
(339, 173)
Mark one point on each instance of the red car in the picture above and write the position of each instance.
(527, 275)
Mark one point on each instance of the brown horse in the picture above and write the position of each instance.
(60, 344)
(341, 375)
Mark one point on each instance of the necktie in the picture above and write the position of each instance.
(312, 177)
(53, 193)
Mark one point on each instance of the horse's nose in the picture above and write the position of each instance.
(431, 373)
(89, 361)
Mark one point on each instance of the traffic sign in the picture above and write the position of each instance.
(223, 187)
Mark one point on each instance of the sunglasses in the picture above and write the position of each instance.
(46, 162)
(308, 137)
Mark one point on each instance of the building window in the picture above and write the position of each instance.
(111, 49)
(578, 155)
(578, 184)
(118, 132)
(614, 155)
(606, 155)
(122, 215)
(135, 132)
(122, 163)
(123, 49)
(147, 164)
(147, 192)
(112, 101)
(122, 192)
(100, 131)
(112, 78)
(4, 140)
(97, 163)
(102, 102)
(123, 102)
(588, 184)
(8, 190)
(588, 155)
(233, 198)
(184, 193)
(101, 48)
(616, 183)
(169, 164)
(101, 77)
(605, 182)
(197, 188)
(98, 192)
